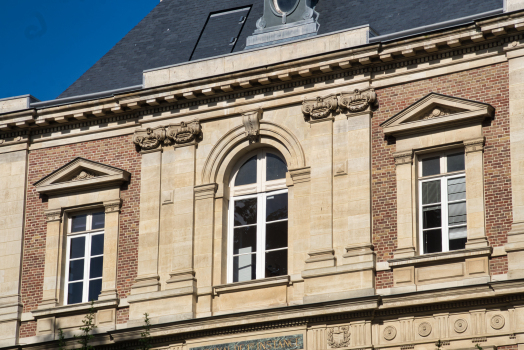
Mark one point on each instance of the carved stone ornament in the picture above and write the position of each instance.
(147, 139)
(424, 329)
(437, 112)
(475, 145)
(320, 107)
(251, 121)
(84, 175)
(338, 337)
(113, 206)
(358, 100)
(389, 333)
(404, 157)
(460, 325)
(497, 322)
(53, 215)
(184, 132)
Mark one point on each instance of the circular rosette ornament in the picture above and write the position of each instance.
(390, 333)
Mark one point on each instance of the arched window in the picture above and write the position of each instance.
(258, 216)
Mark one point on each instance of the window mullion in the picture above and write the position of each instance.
(230, 230)
(87, 261)
(444, 206)
(261, 235)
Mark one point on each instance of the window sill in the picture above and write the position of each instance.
(247, 285)
(66, 309)
(440, 257)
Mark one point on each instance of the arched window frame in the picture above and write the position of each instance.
(260, 190)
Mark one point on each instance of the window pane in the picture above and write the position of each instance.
(457, 213)
(456, 162)
(246, 212)
(95, 270)
(457, 244)
(74, 293)
(458, 232)
(456, 189)
(431, 192)
(244, 268)
(276, 235)
(276, 207)
(276, 263)
(430, 166)
(76, 270)
(97, 245)
(431, 217)
(78, 223)
(245, 240)
(247, 174)
(95, 287)
(275, 168)
(98, 220)
(77, 249)
(432, 241)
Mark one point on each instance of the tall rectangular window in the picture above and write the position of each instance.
(442, 203)
(85, 257)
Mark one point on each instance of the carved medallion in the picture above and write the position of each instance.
(390, 333)
(320, 107)
(185, 132)
(497, 322)
(460, 325)
(437, 112)
(84, 175)
(147, 139)
(338, 337)
(424, 329)
(358, 100)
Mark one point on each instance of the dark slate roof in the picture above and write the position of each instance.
(168, 34)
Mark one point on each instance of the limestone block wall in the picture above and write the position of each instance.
(118, 152)
(487, 84)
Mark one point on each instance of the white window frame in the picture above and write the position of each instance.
(88, 234)
(260, 190)
(444, 176)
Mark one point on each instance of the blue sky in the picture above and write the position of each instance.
(45, 45)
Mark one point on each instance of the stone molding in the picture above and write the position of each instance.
(251, 121)
(113, 206)
(403, 157)
(53, 215)
(68, 309)
(320, 255)
(181, 134)
(300, 175)
(248, 285)
(440, 257)
(205, 191)
(474, 145)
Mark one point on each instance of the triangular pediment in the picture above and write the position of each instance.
(436, 111)
(81, 174)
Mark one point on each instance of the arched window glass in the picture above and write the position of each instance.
(258, 218)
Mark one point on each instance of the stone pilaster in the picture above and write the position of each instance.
(50, 297)
(111, 231)
(405, 234)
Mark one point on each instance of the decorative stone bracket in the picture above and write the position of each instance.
(251, 121)
(352, 102)
(181, 134)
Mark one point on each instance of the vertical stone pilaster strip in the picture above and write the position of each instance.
(147, 278)
(111, 231)
(405, 236)
(52, 254)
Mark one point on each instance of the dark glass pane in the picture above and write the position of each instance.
(284, 6)
(430, 166)
(431, 192)
(76, 270)
(275, 168)
(95, 287)
(456, 244)
(432, 241)
(97, 245)
(247, 174)
(245, 240)
(78, 223)
(457, 213)
(74, 292)
(431, 217)
(246, 212)
(276, 235)
(276, 207)
(98, 220)
(78, 248)
(244, 268)
(456, 189)
(276, 263)
(95, 270)
(456, 162)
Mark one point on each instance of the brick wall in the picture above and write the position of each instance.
(487, 84)
(118, 152)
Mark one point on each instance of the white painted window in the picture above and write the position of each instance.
(258, 218)
(85, 257)
(442, 202)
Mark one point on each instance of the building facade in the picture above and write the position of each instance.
(339, 190)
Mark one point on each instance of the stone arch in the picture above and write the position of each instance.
(234, 144)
